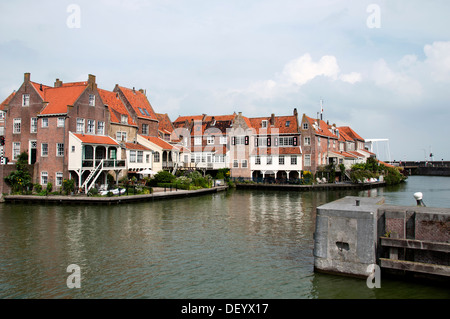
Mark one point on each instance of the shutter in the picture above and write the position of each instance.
(233, 140)
(276, 141)
(268, 141)
(256, 141)
(295, 141)
(246, 140)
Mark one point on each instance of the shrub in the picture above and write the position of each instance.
(93, 191)
(49, 188)
(37, 188)
(68, 186)
(164, 177)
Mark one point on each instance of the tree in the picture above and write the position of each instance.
(20, 179)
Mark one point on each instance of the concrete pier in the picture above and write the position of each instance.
(355, 232)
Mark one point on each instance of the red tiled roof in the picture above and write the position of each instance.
(59, 98)
(345, 154)
(136, 146)
(116, 106)
(386, 164)
(347, 130)
(280, 123)
(165, 125)
(323, 129)
(356, 153)
(37, 87)
(6, 101)
(159, 142)
(138, 100)
(96, 139)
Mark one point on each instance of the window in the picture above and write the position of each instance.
(140, 156)
(44, 122)
(308, 160)
(44, 149)
(293, 160)
(240, 140)
(100, 128)
(16, 150)
(121, 136)
(73, 149)
(156, 157)
(146, 112)
(264, 123)
(90, 126)
(305, 126)
(258, 160)
(286, 141)
(59, 179)
(17, 126)
(288, 123)
(235, 163)
(140, 110)
(132, 156)
(2, 115)
(61, 121)
(210, 140)
(26, 100)
(80, 125)
(307, 141)
(269, 160)
(281, 160)
(261, 141)
(60, 149)
(124, 119)
(223, 140)
(91, 100)
(197, 141)
(147, 158)
(244, 163)
(44, 178)
(145, 129)
(33, 125)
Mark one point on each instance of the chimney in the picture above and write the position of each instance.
(141, 90)
(272, 119)
(58, 83)
(134, 90)
(91, 81)
(40, 87)
(26, 77)
(295, 112)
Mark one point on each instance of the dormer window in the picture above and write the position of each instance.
(124, 119)
(264, 123)
(288, 123)
(305, 126)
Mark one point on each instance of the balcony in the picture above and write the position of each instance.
(107, 163)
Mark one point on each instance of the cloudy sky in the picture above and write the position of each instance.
(382, 67)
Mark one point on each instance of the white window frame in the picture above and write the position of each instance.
(281, 160)
(44, 122)
(100, 128)
(307, 160)
(223, 140)
(124, 119)
(44, 175)
(61, 122)
(59, 149)
(16, 150)
(305, 126)
(294, 160)
(235, 164)
(132, 156)
(17, 126)
(210, 140)
(145, 129)
(244, 163)
(59, 179)
(258, 160)
(140, 156)
(269, 160)
(264, 123)
(44, 154)
(197, 141)
(80, 125)
(33, 125)
(307, 141)
(90, 127)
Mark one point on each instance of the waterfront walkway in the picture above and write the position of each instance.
(314, 187)
(95, 200)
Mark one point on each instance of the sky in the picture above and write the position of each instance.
(380, 67)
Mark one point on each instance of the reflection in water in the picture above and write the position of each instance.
(238, 244)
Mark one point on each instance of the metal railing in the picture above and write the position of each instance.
(107, 163)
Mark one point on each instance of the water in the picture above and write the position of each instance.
(236, 244)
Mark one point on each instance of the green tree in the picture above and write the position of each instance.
(20, 179)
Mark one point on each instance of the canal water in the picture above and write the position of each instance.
(235, 244)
